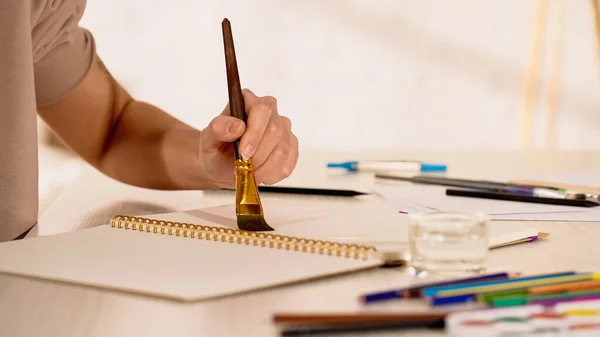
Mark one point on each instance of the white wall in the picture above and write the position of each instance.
(400, 74)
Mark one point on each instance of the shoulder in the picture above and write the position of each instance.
(54, 22)
(45, 9)
(63, 51)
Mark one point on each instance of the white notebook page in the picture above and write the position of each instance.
(174, 267)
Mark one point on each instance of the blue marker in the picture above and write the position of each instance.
(388, 166)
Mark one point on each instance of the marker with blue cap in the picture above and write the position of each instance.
(388, 166)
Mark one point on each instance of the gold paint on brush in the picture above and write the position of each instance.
(248, 206)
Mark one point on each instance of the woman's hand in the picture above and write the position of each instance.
(267, 138)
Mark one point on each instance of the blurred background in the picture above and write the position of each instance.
(363, 74)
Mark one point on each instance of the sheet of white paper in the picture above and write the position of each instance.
(431, 198)
(381, 227)
(312, 221)
(314, 174)
(359, 182)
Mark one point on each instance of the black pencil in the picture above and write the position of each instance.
(310, 191)
(521, 198)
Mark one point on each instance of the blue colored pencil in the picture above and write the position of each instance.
(459, 299)
(416, 291)
(432, 291)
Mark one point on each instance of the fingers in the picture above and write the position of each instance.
(267, 138)
(263, 128)
(274, 134)
(282, 160)
(222, 129)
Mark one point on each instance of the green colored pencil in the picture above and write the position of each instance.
(487, 298)
(514, 300)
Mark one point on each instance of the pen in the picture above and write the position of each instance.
(521, 198)
(388, 165)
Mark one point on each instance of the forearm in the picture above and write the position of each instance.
(149, 148)
(139, 144)
(129, 140)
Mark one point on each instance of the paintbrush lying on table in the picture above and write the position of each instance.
(248, 207)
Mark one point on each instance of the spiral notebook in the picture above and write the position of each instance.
(180, 261)
(200, 254)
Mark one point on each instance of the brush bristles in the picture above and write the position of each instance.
(253, 222)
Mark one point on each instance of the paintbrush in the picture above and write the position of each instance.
(248, 207)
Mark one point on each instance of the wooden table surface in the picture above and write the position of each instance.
(39, 308)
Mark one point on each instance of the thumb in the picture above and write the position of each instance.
(222, 129)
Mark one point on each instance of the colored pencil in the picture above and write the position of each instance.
(330, 318)
(417, 290)
(488, 298)
(303, 324)
(584, 285)
(484, 185)
(503, 298)
(510, 285)
(489, 186)
(553, 302)
(573, 288)
(485, 299)
(448, 300)
(431, 291)
(304, 330)
(536, 299)
(309, 191)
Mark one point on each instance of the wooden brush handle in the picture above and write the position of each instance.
(237, 107)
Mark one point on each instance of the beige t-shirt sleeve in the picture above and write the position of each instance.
(63, 51)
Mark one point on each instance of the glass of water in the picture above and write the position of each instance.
(448, 242)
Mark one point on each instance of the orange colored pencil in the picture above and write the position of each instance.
(583, 291)
(565, 287)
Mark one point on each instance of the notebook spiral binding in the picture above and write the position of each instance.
(237, 236)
